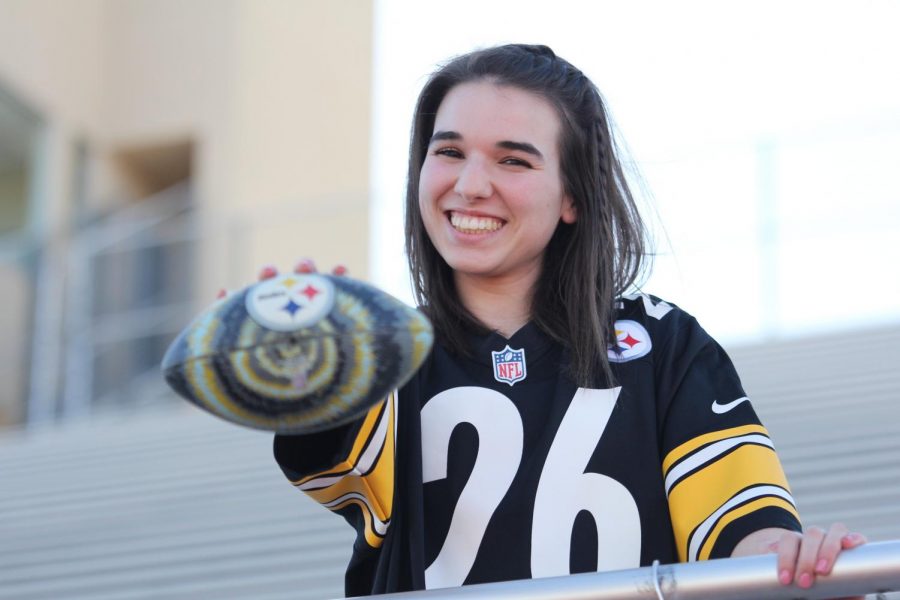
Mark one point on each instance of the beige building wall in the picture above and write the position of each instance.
(50, 59)
(272, 99)
(301, 135)
(275, 96)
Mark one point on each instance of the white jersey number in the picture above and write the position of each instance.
(499, 452)
(564, 489)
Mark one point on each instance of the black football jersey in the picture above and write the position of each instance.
(498, 467)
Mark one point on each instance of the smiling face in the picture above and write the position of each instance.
(490, 189)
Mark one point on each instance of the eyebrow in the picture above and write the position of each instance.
(507, 144)
(522, 147)
(444, 135)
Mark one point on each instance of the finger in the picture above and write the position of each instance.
(267, 272)
(339, 270)
(222, 293)
(305, 266)
(830, 548)
(852, 540)
(806, 558)
(788, 547)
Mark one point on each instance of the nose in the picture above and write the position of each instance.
(474, 181)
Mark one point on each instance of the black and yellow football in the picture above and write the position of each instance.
(298, 353)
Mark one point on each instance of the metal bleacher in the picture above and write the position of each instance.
(168, 502)
(832, 405)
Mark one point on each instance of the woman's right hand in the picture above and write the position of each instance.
(305, 265)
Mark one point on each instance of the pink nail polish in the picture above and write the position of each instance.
(821, 565)
(805, 580)
(785, 577)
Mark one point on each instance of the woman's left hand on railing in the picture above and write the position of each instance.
(801, 557)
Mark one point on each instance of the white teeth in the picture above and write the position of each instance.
(470, 224)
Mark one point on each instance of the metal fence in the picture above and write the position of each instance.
(128, 293)
(870, 569)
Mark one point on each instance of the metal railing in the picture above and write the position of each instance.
(870, 569)
(107, 315)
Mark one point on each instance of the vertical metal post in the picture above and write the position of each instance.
(76, 398)
(44, 255)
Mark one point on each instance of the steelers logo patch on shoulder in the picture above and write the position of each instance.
(632, 342)
(290, 302)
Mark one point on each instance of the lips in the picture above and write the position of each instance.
(474, 224)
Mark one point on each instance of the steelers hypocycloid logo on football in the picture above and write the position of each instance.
(632, 342)
(290, 302)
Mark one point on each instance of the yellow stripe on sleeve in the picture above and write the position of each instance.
(700, 494)
(701, 440)
(377, 486)
(373, 537)
(739, 512)
(365, 431)
(366, 478)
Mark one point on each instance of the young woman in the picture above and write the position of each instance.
(559, 426)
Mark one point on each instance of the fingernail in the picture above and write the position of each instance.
(785, 577)
(304, 266)
(222, 293)
(340, 270)
(268, 272)
(821, 566)
(805, 580)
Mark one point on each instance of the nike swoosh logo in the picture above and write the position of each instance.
(721, 409)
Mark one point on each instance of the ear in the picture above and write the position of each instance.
(568, 214)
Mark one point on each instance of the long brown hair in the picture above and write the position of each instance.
(587, 264)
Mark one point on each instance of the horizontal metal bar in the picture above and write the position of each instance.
(872, 568)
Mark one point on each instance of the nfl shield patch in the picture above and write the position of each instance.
(509, 365)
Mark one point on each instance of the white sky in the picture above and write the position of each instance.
(735, 114)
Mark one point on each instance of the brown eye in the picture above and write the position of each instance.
(448, 152)
(516, 162)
